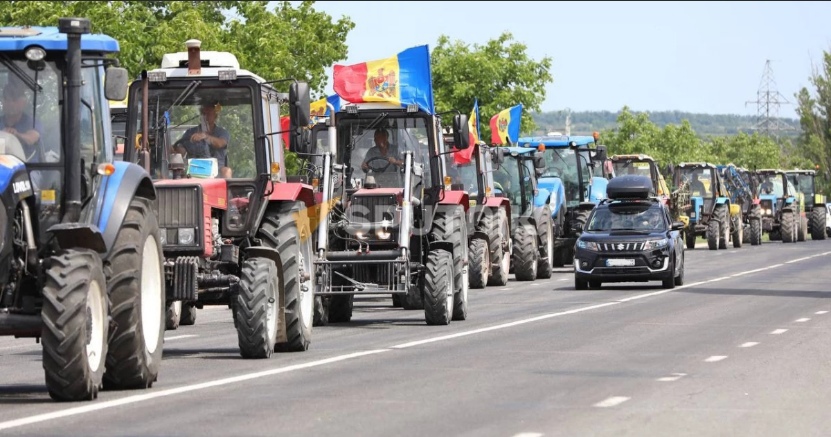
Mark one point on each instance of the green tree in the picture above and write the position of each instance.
(296, 42)
(814, 144)
(500, 74)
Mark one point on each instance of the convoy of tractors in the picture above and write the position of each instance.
(116, 232)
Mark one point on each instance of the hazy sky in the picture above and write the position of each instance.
(704, 57)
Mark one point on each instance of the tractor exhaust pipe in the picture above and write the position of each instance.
(194, 61)
(73, 28)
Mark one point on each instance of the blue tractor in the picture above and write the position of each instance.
(515, 174)
(80, 259)
(573, 174)
(781, 205)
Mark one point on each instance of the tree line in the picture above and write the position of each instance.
(300, 42)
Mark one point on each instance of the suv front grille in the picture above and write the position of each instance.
(620, 247)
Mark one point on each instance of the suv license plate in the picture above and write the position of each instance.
(617, 262)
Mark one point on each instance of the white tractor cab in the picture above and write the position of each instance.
(235, 232)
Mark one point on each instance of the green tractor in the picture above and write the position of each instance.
(815, 206)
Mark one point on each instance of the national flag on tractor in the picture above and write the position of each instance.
(318, 108)
(403, 79)
(465, 156)
(505, 125)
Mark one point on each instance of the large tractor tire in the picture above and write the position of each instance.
(500, 246)
(818, 224)
(451, 226)
(135, 283)
(75, 326)
(545, 239)
(689, 236)
(188, 316)
(558, 255)
(723, 212)
(755, 227)
(788, 227)
(340, 308)
(438, 288)
(479, 264)
(713, 233)
(257, 308)
(738, 231)
(173, 315)
(321, 317)
(526, 254)
(288, 231)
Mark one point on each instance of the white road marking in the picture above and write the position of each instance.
(177, 337)
(749, 344)
(534, 283)
(563, 279)
(74, 411)
(528, 434)
(804, 319)
(797, 260)
(612, 401)
(673, 377)
(779, 331)
(821, 312)
(505, 288)
(97, 406)
(715, 358)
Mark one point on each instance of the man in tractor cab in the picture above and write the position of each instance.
(15, 121)
(696, 186)
(382, 150)
(208, 140)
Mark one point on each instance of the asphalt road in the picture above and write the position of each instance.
(740, 349)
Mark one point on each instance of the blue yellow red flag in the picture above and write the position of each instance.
(319, 108)
(505, 125)
(403, 79)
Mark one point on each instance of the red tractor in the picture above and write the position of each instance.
(235, 232)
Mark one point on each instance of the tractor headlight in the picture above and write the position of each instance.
(186, 236)
(35, 54)
(383, 233)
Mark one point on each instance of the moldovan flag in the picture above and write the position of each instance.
(505, 125)
(285, 127)
(403, 79)
(465, 156)
(318, 108)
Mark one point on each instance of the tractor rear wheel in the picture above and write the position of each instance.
(75, 328)
(135, 284)
(818, 224)
(755, 227)
(479, 264)
(450, 225)
(499, 246)
(525, 256)
(546, 244)
(801, 228)
(438, 288)
(788, 227)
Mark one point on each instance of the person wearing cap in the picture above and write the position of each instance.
(17, 122)
(208, 140)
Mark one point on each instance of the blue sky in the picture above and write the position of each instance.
(702, 57)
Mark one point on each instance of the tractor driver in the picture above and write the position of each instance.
(17, 122)
(696, 186)
(382, 151)
(208, 140)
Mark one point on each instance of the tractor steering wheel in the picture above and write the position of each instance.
(378, 158)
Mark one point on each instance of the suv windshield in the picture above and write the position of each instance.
(627, 218)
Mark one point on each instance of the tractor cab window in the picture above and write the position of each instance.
(631, 167)
(507, 181)
(463, 174)
(771, 184)
(563, 163)
(699, 181)
(200, 131)
(803, 183)
(375, 148)
(30, 117)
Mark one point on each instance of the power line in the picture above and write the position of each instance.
(768, 100)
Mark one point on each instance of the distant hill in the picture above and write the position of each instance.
(584, 123)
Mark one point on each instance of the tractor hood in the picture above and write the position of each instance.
(214, 191)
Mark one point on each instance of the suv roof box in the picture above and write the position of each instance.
(629, 187)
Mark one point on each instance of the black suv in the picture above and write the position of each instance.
(629, 237)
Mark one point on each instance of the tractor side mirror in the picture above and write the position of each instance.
(461, 132)
(539, 164)
(600, 154)
(498, 158)
(115, 83)
(299, 116)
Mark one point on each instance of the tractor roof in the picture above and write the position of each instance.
(800, 171)
(640, 156)
(697, 165)
(50, 39)
(553, 141)
(771, 170)
(212, 63)
(518, 150)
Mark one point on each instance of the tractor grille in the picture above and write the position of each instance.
(620, 247)
(372, 209)
(179, 207)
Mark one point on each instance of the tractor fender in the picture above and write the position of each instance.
(542, 198)
(456, 197)
(722, 200)
(790, 200)
(499, 202)
(111, 199)
(586, 206)
(445, 245)
(292, 192)
(554, 186)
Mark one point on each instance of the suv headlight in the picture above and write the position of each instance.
(588, 245)
(656, 244)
